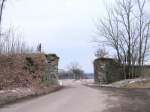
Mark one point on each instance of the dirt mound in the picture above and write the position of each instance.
(22, 70)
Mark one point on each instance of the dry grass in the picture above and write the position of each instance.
(21, 70)
(21, 94)
(139, 84)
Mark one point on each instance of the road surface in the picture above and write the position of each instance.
(74, 98)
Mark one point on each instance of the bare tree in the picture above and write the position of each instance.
(127, 30)
(2, 4)
(101, 53)
(13, 43)
(75, 70)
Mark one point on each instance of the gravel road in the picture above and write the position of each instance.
(78, 98)
(74, 98)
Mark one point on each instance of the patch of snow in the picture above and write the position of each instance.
(68, 82)
(60, 83)
(2, 91)
(14, 91)
(123, 83)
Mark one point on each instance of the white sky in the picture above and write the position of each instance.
(64, 27)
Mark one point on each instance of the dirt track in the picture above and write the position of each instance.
(79, 98)
(71, 99)
(127, 100)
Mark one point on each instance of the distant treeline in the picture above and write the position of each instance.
(69, 75)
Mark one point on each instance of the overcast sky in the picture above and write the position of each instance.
(64, 27)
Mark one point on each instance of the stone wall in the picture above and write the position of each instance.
(145, 72)
(107, 70)
(52, 61)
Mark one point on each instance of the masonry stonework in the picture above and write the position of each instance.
(107, 70)
(52, 60)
